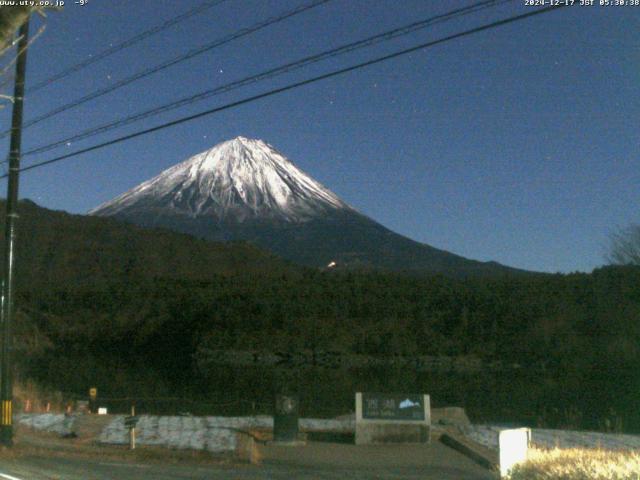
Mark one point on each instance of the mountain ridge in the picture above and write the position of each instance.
(63, 249)
(244, 189)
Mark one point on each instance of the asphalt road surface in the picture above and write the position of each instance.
(315, 461)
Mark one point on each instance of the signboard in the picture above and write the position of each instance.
(392, 418)
(131, 421)
(384, 406)
(286, 405)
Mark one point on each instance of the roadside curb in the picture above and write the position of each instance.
(475, 451)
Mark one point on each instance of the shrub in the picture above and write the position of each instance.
(578, 464)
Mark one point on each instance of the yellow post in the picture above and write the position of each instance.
(6, 417)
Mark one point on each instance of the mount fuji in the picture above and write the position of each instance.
(243, 189)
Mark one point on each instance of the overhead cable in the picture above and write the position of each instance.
(169, 63)
(126, 44)
(293, 86)
(271, 73)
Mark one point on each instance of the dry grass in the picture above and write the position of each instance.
(28, 394)
(248, 450)
(578, 464)
(30, 443)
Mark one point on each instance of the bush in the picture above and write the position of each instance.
(578, 464)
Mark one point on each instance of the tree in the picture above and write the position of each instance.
(11, 18)
(625, 246)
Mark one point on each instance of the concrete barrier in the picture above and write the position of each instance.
(475, 451)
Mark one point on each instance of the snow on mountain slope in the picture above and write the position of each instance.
(236, 180)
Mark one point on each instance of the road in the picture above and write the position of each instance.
(315, 461)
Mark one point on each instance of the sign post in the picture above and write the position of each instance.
(130, 422)
(285, 420)
(93, 395)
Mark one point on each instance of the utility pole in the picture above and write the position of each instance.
(7, 307)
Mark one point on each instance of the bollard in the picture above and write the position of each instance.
(513, 448)
(132, 430)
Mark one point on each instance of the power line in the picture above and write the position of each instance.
(286, 68)
(169, 63)
(126, 44)
(293, 86)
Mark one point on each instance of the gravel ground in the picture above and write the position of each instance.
(48, 422)
(42, 454)
(214, 434)
(219, 434)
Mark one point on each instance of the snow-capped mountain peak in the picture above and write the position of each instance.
(243, 189)
(236, 180)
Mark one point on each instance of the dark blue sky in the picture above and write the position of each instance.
(518, 144)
